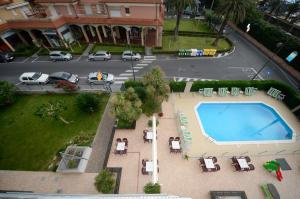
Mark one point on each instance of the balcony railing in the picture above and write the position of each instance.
(55, 1)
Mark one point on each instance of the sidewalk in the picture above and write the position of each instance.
(87, 50)
(48, 182)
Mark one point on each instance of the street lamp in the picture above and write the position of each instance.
(279, 46)
(131, 52)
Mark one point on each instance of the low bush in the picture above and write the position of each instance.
(122, 124)
(67, 86)
(105, 182)
(177, 86)
(88, 102)
(25, 50)
(150, 123)
(292, 99)
(72, 164)
(151, 188)
(133, 84)
(7, 93)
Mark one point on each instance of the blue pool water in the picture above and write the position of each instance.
(227, 122)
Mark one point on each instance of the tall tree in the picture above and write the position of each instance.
(179, 6)
(234, 10)
(292, 8)
(275, 5)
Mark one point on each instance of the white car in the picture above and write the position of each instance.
(100, 55)
(34, 78)
(128, 55)
(60, 56)
(100, 78)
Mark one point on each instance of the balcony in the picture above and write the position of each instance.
(3, 2)
(55, 1)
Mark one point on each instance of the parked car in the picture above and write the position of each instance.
(34, 78)
(100, 55)
(100, 78)
(55, 77)
(6, 57)
(128, 55)
(60, 56)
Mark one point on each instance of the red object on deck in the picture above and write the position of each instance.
(279, 174)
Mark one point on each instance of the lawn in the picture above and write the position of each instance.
(77, 49)
(187, 25)
(29, 142)
(116, 49)
(191, 42)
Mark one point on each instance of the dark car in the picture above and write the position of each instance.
(6, 57)
(55, 77)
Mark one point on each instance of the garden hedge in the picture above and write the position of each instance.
(292, 98)
(177, 86)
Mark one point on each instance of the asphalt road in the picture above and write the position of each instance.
(242, 64)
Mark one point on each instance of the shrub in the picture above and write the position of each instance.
(105, 182)
(7, 93)
(67, 86)
(141, 92)
(72, 164)
(292, 99)
(177, 86)
(151, 188)
(133, 84)
(88, 102)
(150, 123)
(122, 124)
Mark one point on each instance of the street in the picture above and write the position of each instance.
(242, 64)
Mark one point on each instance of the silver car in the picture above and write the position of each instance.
(100, 78)
(60, 56)
(100, 55)
(128, 55)
(34, 78)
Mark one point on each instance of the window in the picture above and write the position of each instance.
(24, 78)
(127, 11)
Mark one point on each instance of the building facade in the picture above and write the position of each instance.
(57, 23)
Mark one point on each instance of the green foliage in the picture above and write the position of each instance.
(23, 50)
(212, 18)
(157, 89)
(126, 106)
(269, 35)
(72, 164)
(151, 188)
(177, 86)
(7, 93)
(122, 124)
(292, 99)
(141, 92)
(150, 123)
(52, 109)
(132, 83)
(88, 102)
(105, 182)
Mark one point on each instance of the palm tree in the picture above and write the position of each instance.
(232, 9)
(179, 6)
(292, 8)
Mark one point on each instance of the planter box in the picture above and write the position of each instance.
(79, 151)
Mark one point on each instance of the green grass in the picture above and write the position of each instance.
(77, 50)
(187, 25)
(191, 42)
(116, 49)
(29, 142)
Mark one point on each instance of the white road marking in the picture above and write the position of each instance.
(142, 64)
(18, 83)
(149, 59)
(188, 79)
(255, 72)
(180, 79)
(118, 82)
(137, 67)
(130, 71)
(78, 58)
(34, 60)
(121, 78)
(146, 62)
(125, 74)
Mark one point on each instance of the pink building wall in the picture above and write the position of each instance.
(140, 12)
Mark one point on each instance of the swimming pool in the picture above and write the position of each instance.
(242, 122)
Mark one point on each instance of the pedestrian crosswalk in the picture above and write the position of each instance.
(190, 79)
(128, 73)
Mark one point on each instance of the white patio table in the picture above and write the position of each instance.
(209, 163)
(175, 145)
(121, 146)
(243, 163)
(149, 166)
